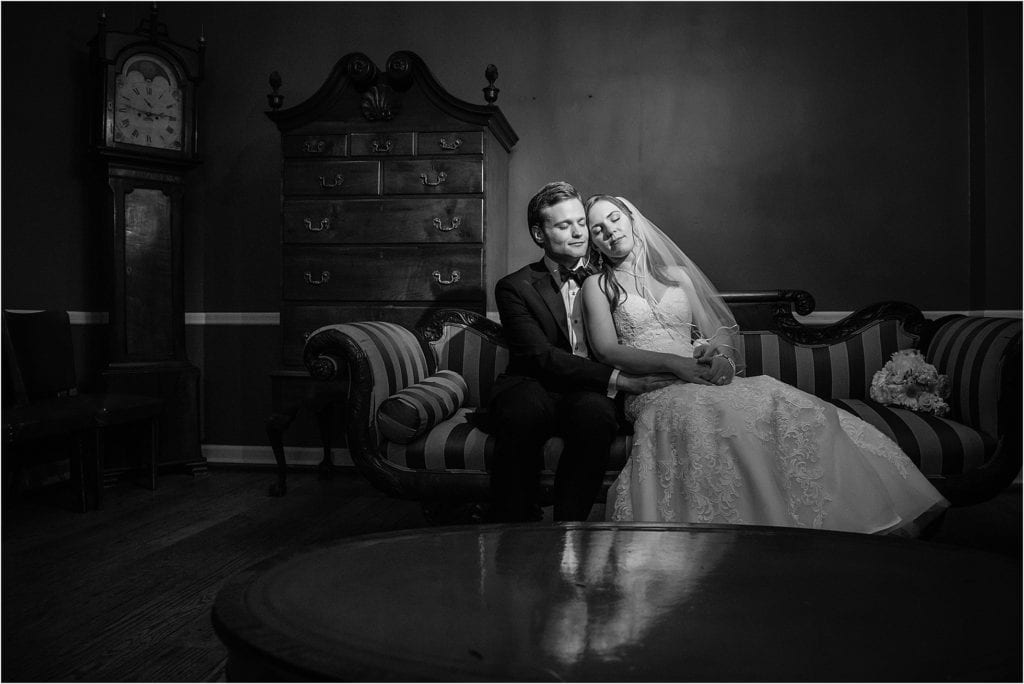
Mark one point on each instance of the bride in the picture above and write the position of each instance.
(726, 449)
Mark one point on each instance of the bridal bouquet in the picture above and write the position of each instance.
(907, 380)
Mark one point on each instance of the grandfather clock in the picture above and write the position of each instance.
(145, 139)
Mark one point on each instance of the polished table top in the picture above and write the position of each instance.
(625, 602)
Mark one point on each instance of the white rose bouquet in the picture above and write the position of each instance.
(907, 380)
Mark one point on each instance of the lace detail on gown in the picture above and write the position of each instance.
(756, 451)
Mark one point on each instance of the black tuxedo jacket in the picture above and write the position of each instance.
(533, 319)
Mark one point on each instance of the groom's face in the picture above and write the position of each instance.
(563, 232)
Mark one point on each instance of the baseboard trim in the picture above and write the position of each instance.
(243, 454)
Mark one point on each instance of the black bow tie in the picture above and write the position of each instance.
(577, 274)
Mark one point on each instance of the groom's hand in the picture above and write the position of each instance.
(638, 384)
(691, 370)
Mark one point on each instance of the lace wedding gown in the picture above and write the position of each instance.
(756, 451)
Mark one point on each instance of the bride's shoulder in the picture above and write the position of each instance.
(594, 282)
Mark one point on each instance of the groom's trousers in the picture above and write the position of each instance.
(523, 416)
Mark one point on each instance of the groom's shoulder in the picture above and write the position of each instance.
(526, 274)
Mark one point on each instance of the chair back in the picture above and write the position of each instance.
(40, 348)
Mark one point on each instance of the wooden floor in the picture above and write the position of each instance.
(124, 594)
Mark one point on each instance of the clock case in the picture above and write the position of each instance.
(141, 207)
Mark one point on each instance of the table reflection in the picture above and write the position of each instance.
(612, 588)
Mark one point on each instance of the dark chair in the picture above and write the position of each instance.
(43, 410)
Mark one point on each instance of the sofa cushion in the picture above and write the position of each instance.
(939, 447)
(456, 444)
(843, 369)
(409, 413)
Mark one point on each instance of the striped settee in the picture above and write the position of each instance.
(970, 455)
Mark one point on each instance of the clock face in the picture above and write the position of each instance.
(147, 104)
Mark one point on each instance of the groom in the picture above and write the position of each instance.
(551, 386)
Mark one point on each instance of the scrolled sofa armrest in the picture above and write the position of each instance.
(381, 359)
(981, 356)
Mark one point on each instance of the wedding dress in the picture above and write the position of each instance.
(756, 451)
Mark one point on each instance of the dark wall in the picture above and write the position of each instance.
(818, 146)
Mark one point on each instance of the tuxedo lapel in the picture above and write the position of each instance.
(545, 286)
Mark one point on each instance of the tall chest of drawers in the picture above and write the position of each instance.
(394, 200)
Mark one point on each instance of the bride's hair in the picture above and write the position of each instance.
(659, 258)
(615, 293)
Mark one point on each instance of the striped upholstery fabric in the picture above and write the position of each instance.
(393, 352)
(457, 445)
(453, 445)
(409, 413)
(938, 446)
(843, 369)
(974, 375)
(474, 357)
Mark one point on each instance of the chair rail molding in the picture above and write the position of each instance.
(268, 318)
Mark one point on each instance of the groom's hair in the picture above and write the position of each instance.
(550, 195)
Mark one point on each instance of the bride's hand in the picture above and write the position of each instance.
(690, 370)
(720, 372)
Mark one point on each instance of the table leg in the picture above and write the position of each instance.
(276, 424)
(324, 417)
(97, 463)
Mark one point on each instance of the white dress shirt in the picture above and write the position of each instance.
(570, 292)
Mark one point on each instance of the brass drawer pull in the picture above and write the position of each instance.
(383, 145)
(456, 221)
(324, 277)
(441, 178)
(456, 277)
(453, 145)
(338, 180)
(325, 224)
(314, 146)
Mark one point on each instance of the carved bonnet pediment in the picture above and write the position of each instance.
(382, 93)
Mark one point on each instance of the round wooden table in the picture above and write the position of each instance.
(625, 602)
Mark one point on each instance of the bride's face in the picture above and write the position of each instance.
(611, 229)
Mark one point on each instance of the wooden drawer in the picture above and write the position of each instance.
(331, 178)
(392, 274)
(315, 145)
(298, 322)
(453, 142)
(433, 176)
(391, 220)
(370, 144)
